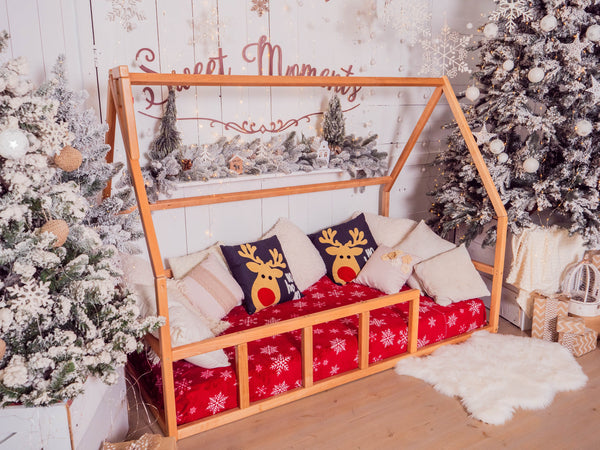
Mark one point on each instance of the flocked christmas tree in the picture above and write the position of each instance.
(93, 173)
(534, 114)
(62, 315)
(334, 129)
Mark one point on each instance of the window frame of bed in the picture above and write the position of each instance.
(120, 108)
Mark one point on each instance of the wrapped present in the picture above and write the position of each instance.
(145, 442)
(546, 311)
(579, 344)
(590, 322)
(574, 325)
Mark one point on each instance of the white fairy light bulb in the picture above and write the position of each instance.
(496, 146)
(13, 143)
(531, 165)
(472, 93)
(536, 75)
(593, 33)
(490, 30)
(502, 158)
(583, 127)
(508, 65)
(548, 23)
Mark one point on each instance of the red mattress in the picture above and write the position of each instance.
(275, 364)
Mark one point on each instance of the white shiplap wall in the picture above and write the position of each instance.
(96, 35)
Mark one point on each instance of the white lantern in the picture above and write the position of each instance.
(496, 146)
(583, 127)
(472, 93)
(508, 65)
(536, 75)
(531, 165)
(502, 158)
(490, 30)
(13, 143)
(593, 33)
(548, 23)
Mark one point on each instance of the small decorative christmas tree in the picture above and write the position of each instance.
(535, 118)
(62, 315)
(334, 129)
(168, 139)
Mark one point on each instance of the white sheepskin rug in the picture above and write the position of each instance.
(493, 374)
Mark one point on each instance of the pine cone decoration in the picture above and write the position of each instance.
(59, 228)
(69, 159)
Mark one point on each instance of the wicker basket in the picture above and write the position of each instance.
(582, 285)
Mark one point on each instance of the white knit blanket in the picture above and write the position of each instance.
(540, 256)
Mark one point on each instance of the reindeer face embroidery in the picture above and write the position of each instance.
(265, 289)
(345, 267)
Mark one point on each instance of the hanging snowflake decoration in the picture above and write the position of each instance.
(511, 11)
(409, 18)
(126, 12)
(446, 54)
(260, 6)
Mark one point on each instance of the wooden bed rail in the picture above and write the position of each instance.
(120, 108)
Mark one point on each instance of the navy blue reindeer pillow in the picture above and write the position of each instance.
(262, 271)
(345, 248)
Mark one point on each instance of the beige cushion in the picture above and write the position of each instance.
(386, 269)
(387, 230)
(306, 265)
(423, 243)
(451, 277)
(211, 289)
(181, 265)
(186, 324)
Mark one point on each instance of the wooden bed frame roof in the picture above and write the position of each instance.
(120, 108)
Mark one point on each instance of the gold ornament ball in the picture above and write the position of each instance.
(58, 228)
(69, 159)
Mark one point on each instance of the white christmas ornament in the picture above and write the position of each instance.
(531, 165)
(13, 143)
(472, 93)
(502, 158)
(508, 65)
(536, 75)
(593, 33)
(548, 23)
(583, 127)
(496, 146)
(490, 30)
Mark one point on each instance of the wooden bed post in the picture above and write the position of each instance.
(492, 192)
(123, 104)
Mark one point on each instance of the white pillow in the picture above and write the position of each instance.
(451, 277)
(386, 269)
(181, 265)
(423, 243)
(388, 231)
(136, 270)
(305, 263)
(186, 324)
(211, 289)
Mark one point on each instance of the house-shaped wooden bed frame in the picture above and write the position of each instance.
(121, 108)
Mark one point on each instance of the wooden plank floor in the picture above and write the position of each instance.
(387, 411)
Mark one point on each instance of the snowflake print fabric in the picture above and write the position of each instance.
(275, 363)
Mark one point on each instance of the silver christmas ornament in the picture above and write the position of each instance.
(531, 165)
(548, 23)
(13, 143)
(472, 93)
(536, 75)
(583, 127)
(508, 65)
(490, 30)
(496, 146)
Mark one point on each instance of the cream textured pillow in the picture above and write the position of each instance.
(451, 277)
(423, 243)
(211, 289)
(186, 324)
(386, 270)
(305, 263)
(388, 231)
(181, 265)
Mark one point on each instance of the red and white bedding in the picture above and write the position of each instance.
(275, 364)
